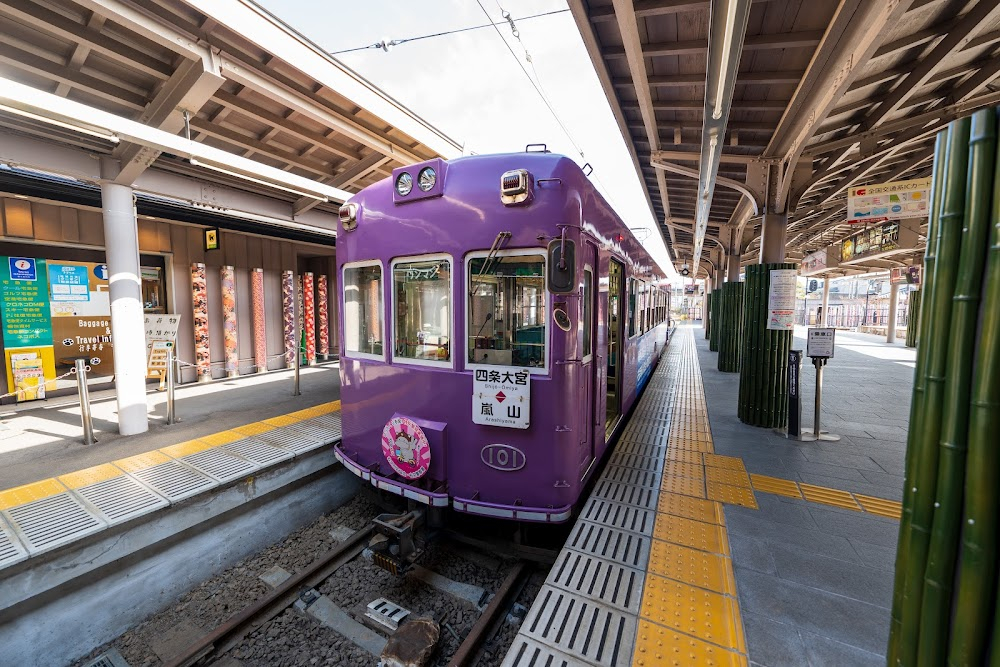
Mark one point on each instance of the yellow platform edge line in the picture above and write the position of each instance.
(27, 493)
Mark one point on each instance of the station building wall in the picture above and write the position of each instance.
(50, 231)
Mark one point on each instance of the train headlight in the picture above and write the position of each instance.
(515, 186)
(349, 217)
(426, 179)
(404, 183)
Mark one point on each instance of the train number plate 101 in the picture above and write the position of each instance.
(501, 396)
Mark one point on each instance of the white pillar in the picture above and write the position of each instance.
(121, 239)
(893, 305)
(826, 302)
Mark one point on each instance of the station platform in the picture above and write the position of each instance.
(709, 542)
(55, 490)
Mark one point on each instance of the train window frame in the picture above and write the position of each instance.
(467, 283)
(631, 303)
(343, 308)
(587, 321)
(410, 361)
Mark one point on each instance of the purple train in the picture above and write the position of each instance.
(497, 321)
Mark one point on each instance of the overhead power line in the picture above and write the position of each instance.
(385, 45)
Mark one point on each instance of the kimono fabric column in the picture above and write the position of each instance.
(199, 294)
(324, 324)
(229, 324)
(259, 328)
(288, 315)
(309, 316)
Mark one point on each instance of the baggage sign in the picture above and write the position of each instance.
(819, 342)
(501, 396)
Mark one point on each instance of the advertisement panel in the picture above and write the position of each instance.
(889, 201)
(27, 330)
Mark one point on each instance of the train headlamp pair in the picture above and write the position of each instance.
(425, 181)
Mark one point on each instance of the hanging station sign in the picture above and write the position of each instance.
(820, 261)
(889, 201)
(879, 241)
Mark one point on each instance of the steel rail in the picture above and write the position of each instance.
(501, 602)
(240, 624)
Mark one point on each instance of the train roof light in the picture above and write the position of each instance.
(515, 186)
(426, 179)
(404, 184)
(348, 214)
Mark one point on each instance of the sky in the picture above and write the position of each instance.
(470, 87)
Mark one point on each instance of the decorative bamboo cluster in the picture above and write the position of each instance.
(713, 338)
(913, 319)
(945, 598)
(764, 373)
(731, 327)
(707, 317)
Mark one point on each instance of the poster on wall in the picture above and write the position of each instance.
(781, 300)
(27, 330)
(80, 305)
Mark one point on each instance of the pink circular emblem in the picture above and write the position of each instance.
(405, 447)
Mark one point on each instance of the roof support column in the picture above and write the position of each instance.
(733, 256)
(121, 238)
(890, 336)
(774, 231)
(824, 309)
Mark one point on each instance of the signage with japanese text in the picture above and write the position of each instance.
(889, 201)
(501, 396)
(781, 300)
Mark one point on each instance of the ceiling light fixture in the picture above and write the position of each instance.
(93, 132)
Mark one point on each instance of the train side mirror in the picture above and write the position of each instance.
(562, 266)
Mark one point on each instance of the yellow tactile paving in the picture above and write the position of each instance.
(21, 495)
(691, 445)
(221, 438)
(679, 468)
(82, 478)
(689, 533)
(698, 568)
(142, 461)
(186, 448)
(255, 428)
(686, 486)
(656, 646)
(731, 495)
(727, 462)
(781, 487)
(880, 506)
(835, 497)
(727, 476)
(701, 613)
(690, 507)
(282, 420)
(683, 456)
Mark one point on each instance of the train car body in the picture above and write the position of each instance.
(466, 381)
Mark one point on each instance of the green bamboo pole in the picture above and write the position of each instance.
(977, 575)
(708, 315)
(926, 461)
(917, 397)
(763, 379)
(913, 318)
(946, 526)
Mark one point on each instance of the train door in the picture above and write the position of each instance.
(588, 369)
(616, 314)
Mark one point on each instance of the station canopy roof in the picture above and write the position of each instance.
(248, 84)
(820, 95)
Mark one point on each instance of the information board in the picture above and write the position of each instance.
(501, 397)
(781, 300)
(889, 201)
(161, 335)
(819, 342)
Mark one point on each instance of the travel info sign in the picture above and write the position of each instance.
(781, 300)
(501, 396)
(889, 201)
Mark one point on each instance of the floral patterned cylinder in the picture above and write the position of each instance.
(199, 293)
(309, 316)
(259, 329)
(288, 315)
(323, 316)
(229, 324)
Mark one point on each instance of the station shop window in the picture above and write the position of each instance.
(507, 323)
(363, 308)
(422, 301)
(153, 290)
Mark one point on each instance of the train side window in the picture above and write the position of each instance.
(631, 307)
(363, 310)
(588, 324)
(422, 310)
(507, 319)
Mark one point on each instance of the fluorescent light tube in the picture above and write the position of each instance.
(93, 132)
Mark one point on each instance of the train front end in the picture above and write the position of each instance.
(457, 386)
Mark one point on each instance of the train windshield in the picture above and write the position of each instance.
(363, 310)
(507, 323)
(422, 298)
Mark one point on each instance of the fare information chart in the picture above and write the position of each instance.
(501, 397)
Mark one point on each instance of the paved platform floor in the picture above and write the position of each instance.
(44, 439)
(814, 581)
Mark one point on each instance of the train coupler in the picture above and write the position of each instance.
(398, 540)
